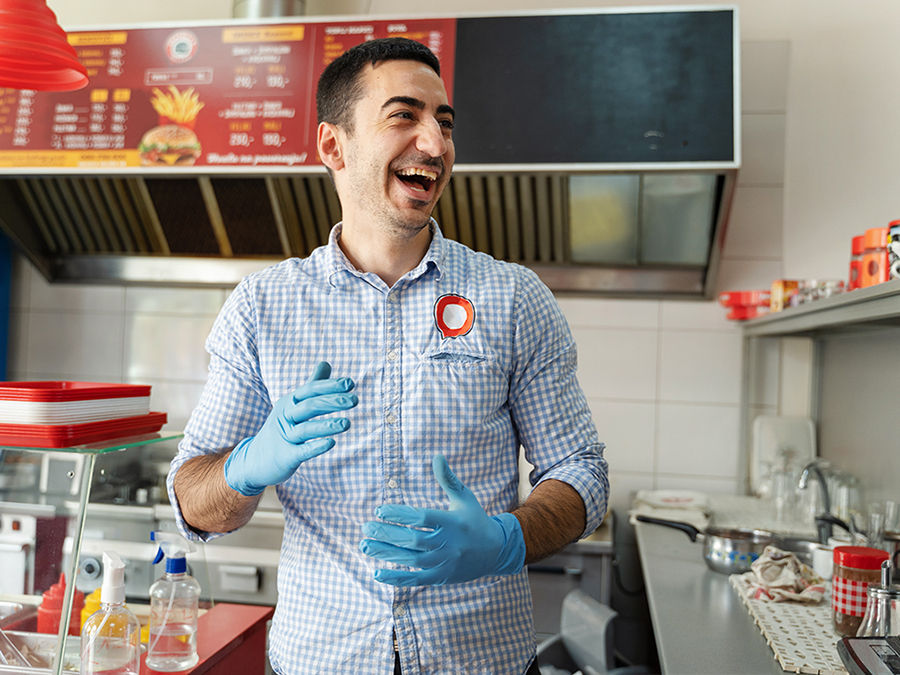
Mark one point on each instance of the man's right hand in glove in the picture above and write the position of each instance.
(291, 434)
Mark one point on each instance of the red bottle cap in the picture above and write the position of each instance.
(860, 557)
(857, 245)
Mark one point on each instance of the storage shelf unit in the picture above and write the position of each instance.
(22, 497)
(864, 307)
(835, 361)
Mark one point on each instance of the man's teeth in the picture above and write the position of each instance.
(430, 175)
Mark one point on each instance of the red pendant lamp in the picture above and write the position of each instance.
(34, 51)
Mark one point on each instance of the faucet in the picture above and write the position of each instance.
(822, 525)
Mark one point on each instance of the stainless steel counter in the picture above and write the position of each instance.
(700, 624)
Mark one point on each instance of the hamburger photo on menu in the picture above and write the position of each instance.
(173, 142)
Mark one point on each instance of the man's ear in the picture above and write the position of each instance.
(329, 146)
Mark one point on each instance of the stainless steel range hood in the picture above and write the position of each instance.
(627, 219)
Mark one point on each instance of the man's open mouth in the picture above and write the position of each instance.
(421, 180)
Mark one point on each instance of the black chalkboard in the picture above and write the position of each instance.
(629, 87)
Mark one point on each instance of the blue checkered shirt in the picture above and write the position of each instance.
(509, 381)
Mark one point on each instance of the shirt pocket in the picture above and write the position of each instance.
(464, 396)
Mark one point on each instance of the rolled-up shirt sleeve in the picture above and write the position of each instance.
(548, 406)
(234, 402)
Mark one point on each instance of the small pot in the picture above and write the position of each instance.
(725, 549)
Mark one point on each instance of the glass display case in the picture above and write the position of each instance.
(52, 501)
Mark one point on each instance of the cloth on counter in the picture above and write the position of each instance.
(780, 577)
(682, 505)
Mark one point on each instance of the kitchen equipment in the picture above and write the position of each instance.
(882, 608)
(773, 438)
(725, 550)
(9, 653)
(870, 655)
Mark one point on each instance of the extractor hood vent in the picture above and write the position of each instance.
(212, 231)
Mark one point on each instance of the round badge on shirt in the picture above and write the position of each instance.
(454, 315)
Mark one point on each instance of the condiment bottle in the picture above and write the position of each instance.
(883, 607)
(91, 605)
(875, 267)
(50, 610)
(855, 568)
(857, 246)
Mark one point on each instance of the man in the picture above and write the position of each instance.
(404, 548)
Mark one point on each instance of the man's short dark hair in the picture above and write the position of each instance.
(340, 87)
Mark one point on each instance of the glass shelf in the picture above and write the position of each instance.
(101, 447)
(44, 497)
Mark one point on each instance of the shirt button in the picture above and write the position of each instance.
(392, 355)
(392, 484)
(400, 611)
(390, 418)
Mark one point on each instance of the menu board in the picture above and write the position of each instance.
(232, 96)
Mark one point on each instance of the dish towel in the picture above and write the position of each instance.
(684, 505)
(779, 576)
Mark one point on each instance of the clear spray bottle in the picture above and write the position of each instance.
(111, 636)
(174, 605)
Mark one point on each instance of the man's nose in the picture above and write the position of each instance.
(431, 139)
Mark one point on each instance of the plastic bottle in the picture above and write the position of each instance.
(174, 605)
(91, 605)
(111, 637)
(49, 612)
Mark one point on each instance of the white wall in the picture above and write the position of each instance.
(819, 102)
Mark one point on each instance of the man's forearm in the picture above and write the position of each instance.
(207, 503)
(552, 517)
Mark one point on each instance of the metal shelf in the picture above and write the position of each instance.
(861, 309)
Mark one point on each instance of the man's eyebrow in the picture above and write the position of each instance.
(418, 104)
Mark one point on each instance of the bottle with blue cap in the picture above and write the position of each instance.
(174, 607)
(111, 636)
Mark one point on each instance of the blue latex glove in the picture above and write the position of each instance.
(290, 435)
(458, 545)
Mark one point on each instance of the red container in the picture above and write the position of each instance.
(855, 567)
(50, 610)
(857, 246)
(745, 304)
(66, 435)
(65, 390)
(875, 266)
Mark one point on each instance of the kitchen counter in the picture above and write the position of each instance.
(700, 624)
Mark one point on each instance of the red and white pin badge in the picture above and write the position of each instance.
(454, 315)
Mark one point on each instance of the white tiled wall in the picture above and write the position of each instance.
(662, 377)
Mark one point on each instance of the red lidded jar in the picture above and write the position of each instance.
(857, 246)
(855, 567)
(875, 267)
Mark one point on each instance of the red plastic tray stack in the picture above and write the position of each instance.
(62, 413)
(745, 304)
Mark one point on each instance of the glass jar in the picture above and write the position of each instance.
(855, 567)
